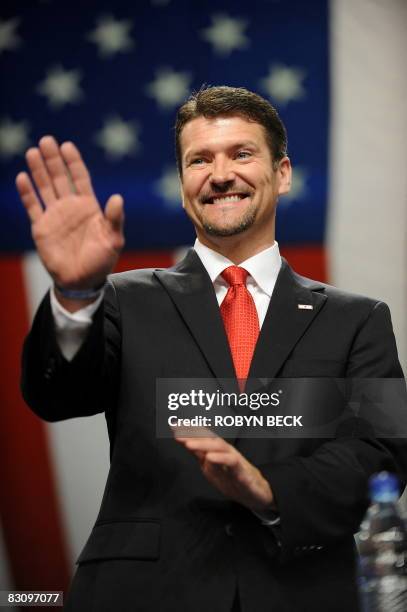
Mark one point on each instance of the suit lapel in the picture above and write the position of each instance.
(286, 321)
(192, 292)
(190, 288)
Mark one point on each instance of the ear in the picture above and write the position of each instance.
(181, 189)
(284, 172)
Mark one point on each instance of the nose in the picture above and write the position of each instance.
(222, 171)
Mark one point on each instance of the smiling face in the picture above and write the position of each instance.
(229, 183)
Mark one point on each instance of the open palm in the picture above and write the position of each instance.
(78, 243)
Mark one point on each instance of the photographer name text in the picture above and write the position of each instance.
(238, 420)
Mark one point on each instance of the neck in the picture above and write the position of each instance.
(236, 248)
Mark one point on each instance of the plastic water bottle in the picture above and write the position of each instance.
(382, 544)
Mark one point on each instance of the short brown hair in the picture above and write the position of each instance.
(212, 102)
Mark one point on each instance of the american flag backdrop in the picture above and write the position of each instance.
(109, 76)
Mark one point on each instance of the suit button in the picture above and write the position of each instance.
(50, 370)
(229, 529)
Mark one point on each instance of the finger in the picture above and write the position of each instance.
(55, 165)
(199, 432)
(220, 459)
(114, 212)
(208, 444)
(40, 176)
(77, 169)
(183, 433)
(28, 196)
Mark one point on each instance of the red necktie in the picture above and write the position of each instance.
(241, 322)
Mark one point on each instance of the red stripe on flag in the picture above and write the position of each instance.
(308, 260)
(29, 507)
(129, 260)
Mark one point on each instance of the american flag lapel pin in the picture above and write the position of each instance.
(305, 307)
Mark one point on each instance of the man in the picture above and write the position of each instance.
(199, 523)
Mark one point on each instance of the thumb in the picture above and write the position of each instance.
(114, 212)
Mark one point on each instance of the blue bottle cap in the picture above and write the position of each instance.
(384, 487)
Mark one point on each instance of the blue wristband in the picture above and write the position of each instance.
(80, 294)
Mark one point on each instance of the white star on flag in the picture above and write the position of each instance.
(61, 86)
(284, 83)
(298, 186)
(168, 187)
(112, 36)
(9, 39)
(226, 34)
(169, 88)
(13, 138)
(118, 138)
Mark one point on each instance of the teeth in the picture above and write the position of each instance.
(232, 198)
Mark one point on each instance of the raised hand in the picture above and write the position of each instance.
(77, 242)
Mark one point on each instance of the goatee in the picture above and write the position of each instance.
(232, 230)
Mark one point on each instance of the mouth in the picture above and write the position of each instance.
(225, 198)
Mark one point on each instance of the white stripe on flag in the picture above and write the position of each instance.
(368, 208)
(79, 447)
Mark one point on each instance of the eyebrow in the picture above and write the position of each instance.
(238, 145)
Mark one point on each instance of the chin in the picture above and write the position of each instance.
(230, 229)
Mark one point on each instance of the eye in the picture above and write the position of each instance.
(243, 154)
(198, 161)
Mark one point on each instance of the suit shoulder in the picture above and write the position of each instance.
(350, 297)
(339, 295)
(133, 279)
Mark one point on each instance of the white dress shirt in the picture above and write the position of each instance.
(263, 269)
(71, 327)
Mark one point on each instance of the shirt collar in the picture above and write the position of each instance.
(263, 267)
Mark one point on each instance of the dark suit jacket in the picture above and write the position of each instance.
(165, 539)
